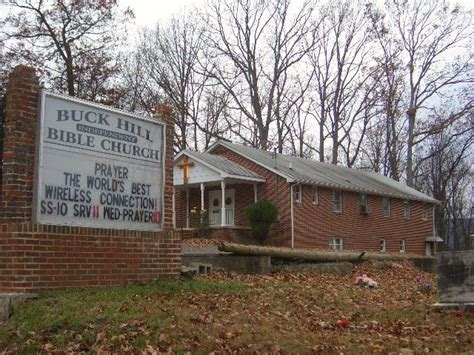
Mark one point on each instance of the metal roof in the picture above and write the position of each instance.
(221, 164)
(311, 172)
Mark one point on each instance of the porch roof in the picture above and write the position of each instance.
(219, 168)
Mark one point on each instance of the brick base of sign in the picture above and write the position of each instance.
(39, 257)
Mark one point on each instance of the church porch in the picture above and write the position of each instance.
(226, 220)
(211, 188)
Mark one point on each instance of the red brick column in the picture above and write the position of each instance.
(19, 145)
(165, 114)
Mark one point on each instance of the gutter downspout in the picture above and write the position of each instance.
(292, 216)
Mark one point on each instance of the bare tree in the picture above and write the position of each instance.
(254, 43)
(378, 151)
(172, 56)
(291, 115)
(302, 141)
(444, 173)
(212, 122)
(344, 78)
(385, 139)
(432, 32)
(321, 59)
(72, 43)
(138, 92)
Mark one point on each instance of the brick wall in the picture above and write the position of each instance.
(316, 224)
(21, 105)
(359, 231)
(38, 257)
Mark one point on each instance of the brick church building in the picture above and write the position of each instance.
(320, 205)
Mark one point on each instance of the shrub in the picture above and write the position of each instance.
(200, 221)
(260, 217)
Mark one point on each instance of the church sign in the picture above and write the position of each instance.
(98, 167)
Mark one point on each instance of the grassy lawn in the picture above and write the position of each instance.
(288, 313)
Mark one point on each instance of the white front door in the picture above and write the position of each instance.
(215, 207)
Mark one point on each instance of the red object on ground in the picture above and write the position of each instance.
(343, 323)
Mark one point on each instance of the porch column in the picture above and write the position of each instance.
(255, 196)
(202, 199)
(223, 203)
(187, 207)
(173, 203)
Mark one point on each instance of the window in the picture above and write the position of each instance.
(386, 206)
(364, 204)
(424, 212)
(402, 246)
(314, 196)
(335, 243)
(337, 201)
(298, 194)
(383, 245)
(406, 209)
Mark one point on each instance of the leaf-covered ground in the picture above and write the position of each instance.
(288, 313)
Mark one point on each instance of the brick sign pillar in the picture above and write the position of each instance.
(165, 114)
(17, 166)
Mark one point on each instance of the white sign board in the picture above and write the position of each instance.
(98, 167)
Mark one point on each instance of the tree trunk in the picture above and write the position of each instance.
(70, 77)
(395, 174)
(302, 254)
(411, 137)
(335, 143)
(321, 133)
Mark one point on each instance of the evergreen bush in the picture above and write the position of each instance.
(260, 217)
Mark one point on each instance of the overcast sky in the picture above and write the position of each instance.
(148, 12)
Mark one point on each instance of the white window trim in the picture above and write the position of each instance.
(315, 195)
(402, 246)
(364, 206)
(388, 207)
(334, 200)
(336, 244)
(406, 212)
(383, 245)
(424, 212)
(298, 193)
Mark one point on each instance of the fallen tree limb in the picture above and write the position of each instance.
(304, 254)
